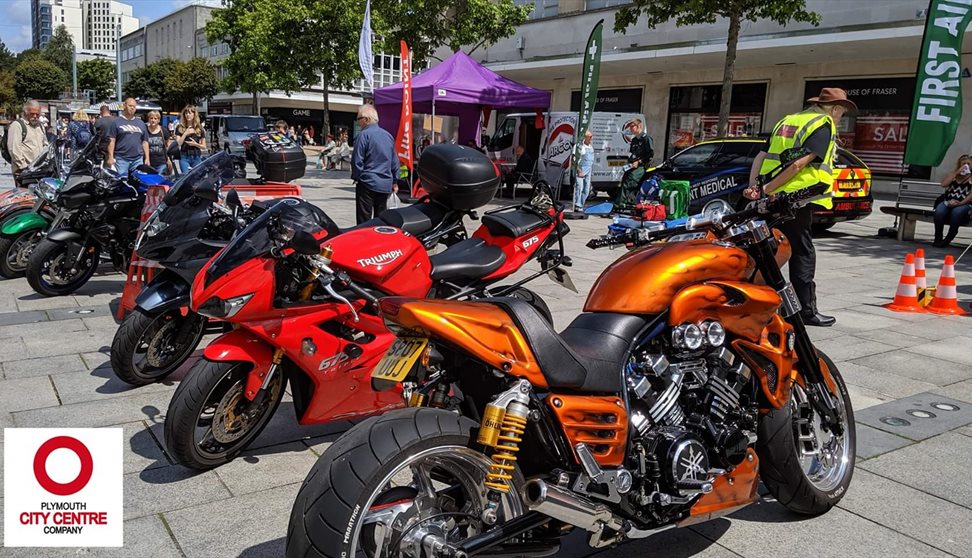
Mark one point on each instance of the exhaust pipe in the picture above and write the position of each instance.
(569, 507)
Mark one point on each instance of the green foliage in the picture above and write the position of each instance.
(97, 74)
(29, 53)
(190, 82)
(427, 25)
(7, 59)
(8, 95)
(694, 12)
(60, 50)
(149, 82)
(39, 79)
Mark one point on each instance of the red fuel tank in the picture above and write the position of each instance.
(384, 257)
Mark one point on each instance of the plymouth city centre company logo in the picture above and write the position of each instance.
(62, 487)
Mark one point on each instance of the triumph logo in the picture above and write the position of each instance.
(381, 259)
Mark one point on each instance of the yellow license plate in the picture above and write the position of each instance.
(399, 359)
(617, 163)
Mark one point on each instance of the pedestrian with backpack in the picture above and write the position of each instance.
(24, 139)
(79, 131)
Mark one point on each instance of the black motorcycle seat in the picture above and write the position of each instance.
(415, 219)
(513, 224)
(469, 259)
(588, 356)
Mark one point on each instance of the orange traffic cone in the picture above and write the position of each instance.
(946, 297)
(906, 297)
(920, 282)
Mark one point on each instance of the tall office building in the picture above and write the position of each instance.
(92, 24)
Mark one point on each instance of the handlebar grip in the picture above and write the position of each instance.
(361, 292)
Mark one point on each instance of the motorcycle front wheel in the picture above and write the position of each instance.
(391, 484)
(151, 345)
(806, 467)
(50, 270)
(209, 421)
(15, 252)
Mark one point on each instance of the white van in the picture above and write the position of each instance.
(231, 130)
(555, 141)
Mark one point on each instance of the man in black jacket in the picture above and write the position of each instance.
(639, 159)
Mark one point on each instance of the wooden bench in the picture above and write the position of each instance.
(916, 201)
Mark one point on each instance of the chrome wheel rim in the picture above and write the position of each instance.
(824, 457)
(423, 490)
(20, 251)
(223, 421)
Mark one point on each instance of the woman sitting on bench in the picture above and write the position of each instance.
(953, 207)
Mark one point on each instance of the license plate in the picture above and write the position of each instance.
(617, 163)
(399, 359)
(849, 185)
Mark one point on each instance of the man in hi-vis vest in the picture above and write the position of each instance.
(800, 154)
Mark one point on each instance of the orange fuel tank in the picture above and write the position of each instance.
(645, 281)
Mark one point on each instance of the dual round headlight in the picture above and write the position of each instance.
(694, 336)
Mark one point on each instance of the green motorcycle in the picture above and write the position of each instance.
(23, 230)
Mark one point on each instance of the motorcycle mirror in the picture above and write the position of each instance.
(233, 199)
(304, 242)
(206, 192)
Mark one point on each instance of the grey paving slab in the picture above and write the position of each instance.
(872, 442)
(885, 383)
(105, 323)
(27, 393)
(95, 359)
(42, 366)
(82, 311)
(6, 421)
(13, 349)
(250, 526)
(856, 322)
(933, 330)
(144, 537)
(15, 317)
(892, 336)
(878, 309)
(917, 417)
(955, 349)
(908, 364)
(674, 543)
(107, 412)
(100, 383)
(265, 468)
(141, 449)
(914, 513)
(959, 390)
(170, 488)
(847, 347)
(34, 301)
(938, 466)
(769, 530)
(283, 428)
(51, 330)
(77, 342)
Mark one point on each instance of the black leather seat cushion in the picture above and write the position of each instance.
(470, 259)
(414, 219)
(513, 223)
(587, 356)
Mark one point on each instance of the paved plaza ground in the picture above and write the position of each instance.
(911, 494)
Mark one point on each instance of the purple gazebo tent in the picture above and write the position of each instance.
(459, 86)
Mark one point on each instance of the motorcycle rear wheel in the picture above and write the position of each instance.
(805, 468)
(205, 425)
(149, 346)
(44, 268)
(14, 253)
(395, 467)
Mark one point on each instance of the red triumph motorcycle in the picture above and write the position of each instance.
(306, 311)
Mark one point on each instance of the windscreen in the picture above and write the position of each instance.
(245, 124)
(211, 173)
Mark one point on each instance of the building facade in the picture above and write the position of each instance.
(93, 24)
(674, 74)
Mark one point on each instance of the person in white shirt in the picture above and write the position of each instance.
(585, 165)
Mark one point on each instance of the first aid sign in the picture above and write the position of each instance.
(62, 487)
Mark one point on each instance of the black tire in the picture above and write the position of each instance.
(533, 299)
(40, 260)
(189, 402)
(780, 468)
(350, 471)
(140, 330)
(13, 265)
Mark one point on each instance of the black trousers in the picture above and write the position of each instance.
(368, 202)
(803, 262)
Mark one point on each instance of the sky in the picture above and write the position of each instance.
(15, 30)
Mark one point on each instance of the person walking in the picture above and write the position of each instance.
(642, 151)
(102, 127)
(810, 135)
(128, 140)
(26, 139)
(79, 131)
(158, 140)
(280, 127)
(585, 166)
(953, 207)
(374, 165)
(191, 138)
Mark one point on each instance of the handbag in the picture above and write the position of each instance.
(651, 211)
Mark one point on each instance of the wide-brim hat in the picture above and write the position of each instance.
(834, 96)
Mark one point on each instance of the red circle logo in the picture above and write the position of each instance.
(40, 465)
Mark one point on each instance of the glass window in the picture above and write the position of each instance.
(696, 157)
(596, 4)
(694, 113)
(541, 8)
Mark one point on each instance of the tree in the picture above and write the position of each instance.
(427, 25)
(39, 79)
(29, 53)
(60, 50)
(191, 82)
(706, 11)
(7, 59)
(98, 75)
(8, 95)
(149, 82)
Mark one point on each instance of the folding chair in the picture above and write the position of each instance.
(524, 178)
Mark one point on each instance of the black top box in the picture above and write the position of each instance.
(457, 176)
(277, 158)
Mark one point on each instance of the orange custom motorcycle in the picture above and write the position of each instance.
(688, 378)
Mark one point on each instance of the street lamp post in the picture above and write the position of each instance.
(74, 73)
(118, 84)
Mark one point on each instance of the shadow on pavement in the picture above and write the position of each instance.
(267, 549)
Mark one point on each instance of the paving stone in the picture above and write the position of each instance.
(955, 349)
(911, 512)
(27, 393)
(13, 349)
(265, 468)
(959, 390)
(932, 466)
(6, 421)
(42, 366)
(878, 309)
(77, 342)
(856, 322)
(283, 428)
(847, 347)
(905, 363)
(759, 531)
(862, 398)
(97, 358)
(918, 417)
(933, 330)
(105, 323)
(251, 526)
(107, 412)
(82, 311)
(677, 543)
(34, 301)
(172, 488)
(142, 451)
(100, 383)
(144, 537)
(880, 381)
(893, 336)
(872, 442)
(15, 317)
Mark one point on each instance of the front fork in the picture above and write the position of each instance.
(821, 398)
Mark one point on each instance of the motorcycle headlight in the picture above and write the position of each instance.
(688, 336)
(47, 188)
(715, 333)
(221, 309)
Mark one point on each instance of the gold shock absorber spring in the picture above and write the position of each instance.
(507, 446)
